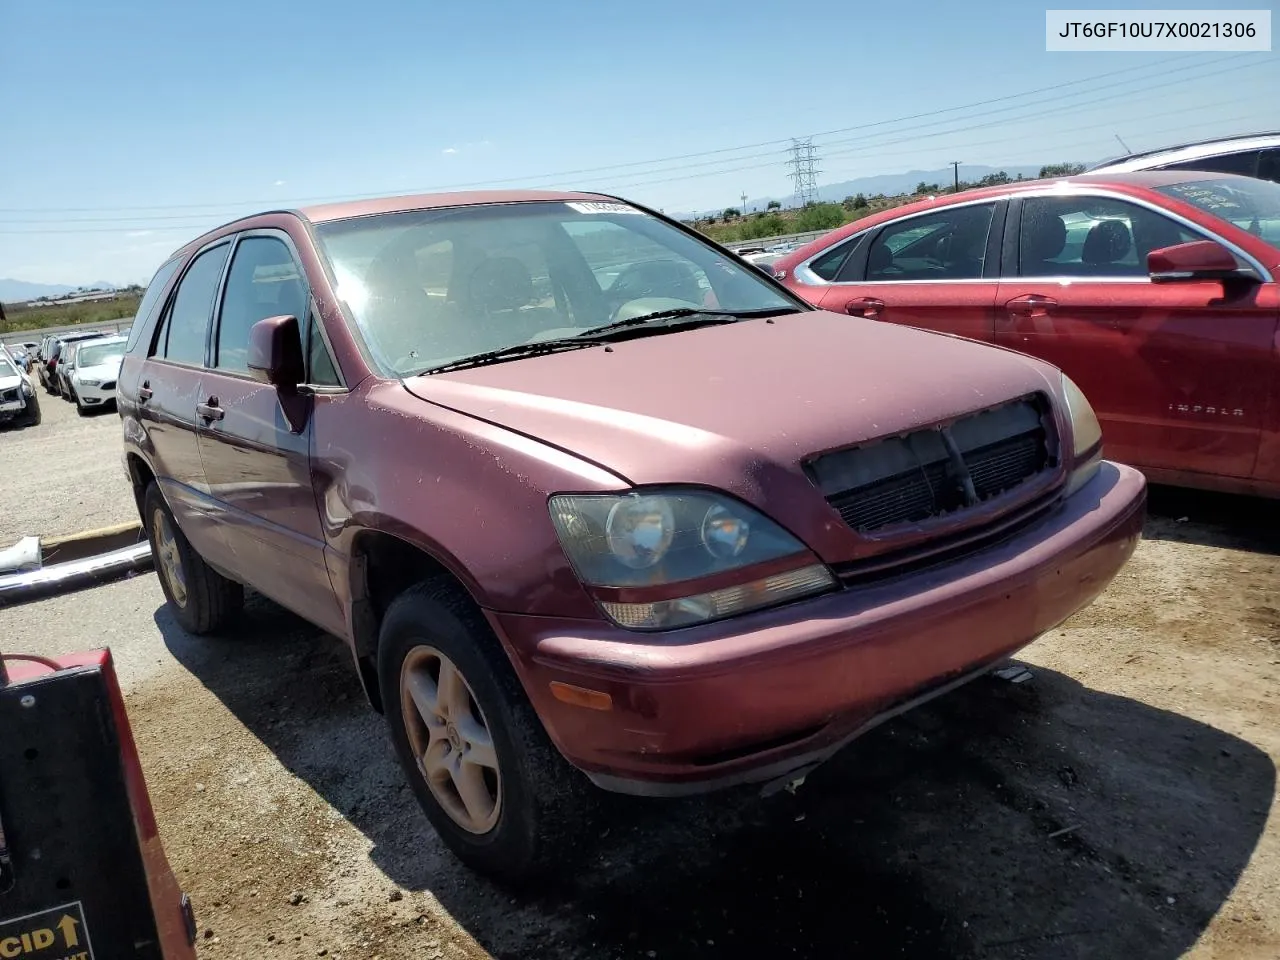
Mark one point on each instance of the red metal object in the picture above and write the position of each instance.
(167, 901)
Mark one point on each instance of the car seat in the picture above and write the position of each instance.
(1107, 244)
(1044, 237)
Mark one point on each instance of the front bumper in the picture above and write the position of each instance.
(758, 696)
(95, 396)
(11, 409)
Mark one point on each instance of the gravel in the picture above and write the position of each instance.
(63, 476)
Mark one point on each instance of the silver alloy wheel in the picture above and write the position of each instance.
(450, 739)
(168, 559)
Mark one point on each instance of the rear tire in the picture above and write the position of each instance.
(202, 600)
(541, 806)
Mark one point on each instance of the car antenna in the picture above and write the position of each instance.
(1125, 145)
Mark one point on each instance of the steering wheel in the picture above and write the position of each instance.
(642, 305)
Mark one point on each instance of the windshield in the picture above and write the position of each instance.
(1249, 204)
(90, 355)
(429, 287)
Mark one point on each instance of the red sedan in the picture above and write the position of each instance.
(1155, 292)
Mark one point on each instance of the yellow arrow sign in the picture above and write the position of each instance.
(67, 927)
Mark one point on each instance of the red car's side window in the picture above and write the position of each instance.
(948, 245)
(1090, 236)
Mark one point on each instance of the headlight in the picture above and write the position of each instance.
(26, 388)
(89, 383)
(1086, 436)
(660, 539)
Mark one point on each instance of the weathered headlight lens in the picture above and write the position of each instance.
(639, 531)
(660, 538)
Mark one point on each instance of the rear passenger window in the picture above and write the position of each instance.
(151, 302)
(1088, 236)
(264, 281)
(1269, 165)
(1242, 163)
(183, 337)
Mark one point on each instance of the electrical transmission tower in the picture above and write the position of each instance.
(804, 171)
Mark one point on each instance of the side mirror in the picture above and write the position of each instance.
(1198, 260)
(275, 352)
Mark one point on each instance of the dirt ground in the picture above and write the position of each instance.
(63, 476)
(1121, 804)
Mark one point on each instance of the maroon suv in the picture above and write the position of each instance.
(588, 495)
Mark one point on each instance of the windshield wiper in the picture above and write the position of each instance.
(680, 313)
(515, 352)
(618, 330)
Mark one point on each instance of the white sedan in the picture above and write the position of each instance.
(93, 379)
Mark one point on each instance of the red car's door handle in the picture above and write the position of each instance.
(210, 410)
(1032, 305)
(864, 307)
(144, 392)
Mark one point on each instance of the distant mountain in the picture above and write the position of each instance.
(17, 291)
(888, 184)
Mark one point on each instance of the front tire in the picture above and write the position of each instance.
(80, 407)
(474, 751)
(33, 411)
(202, 600)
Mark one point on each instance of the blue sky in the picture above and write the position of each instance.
(128, 128)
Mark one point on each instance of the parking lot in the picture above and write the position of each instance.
(1121, 803)
(63, 476)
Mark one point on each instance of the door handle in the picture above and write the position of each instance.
(144, 391)
(868, 307)
(209, 410)
(1032, 305)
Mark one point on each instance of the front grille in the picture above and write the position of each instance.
(939, 470)
(109, 385)
(9, 395)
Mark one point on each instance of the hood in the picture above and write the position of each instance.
(8, 382)
(99, 371)
(722, 404)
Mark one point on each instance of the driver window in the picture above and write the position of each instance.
(947, 245)
(629, 266)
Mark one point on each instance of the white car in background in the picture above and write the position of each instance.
(18, 402)
(1253, 155)
(93, 377)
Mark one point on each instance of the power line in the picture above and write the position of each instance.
(200, 227)
(867, 144)
(630, 164)
(136, 223)
(862, 151)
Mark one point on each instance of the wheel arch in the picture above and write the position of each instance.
(141, 476)
(382, 565)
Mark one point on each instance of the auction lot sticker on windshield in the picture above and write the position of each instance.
(596, 206)
(56, 934)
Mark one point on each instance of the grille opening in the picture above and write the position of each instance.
(939, 470)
